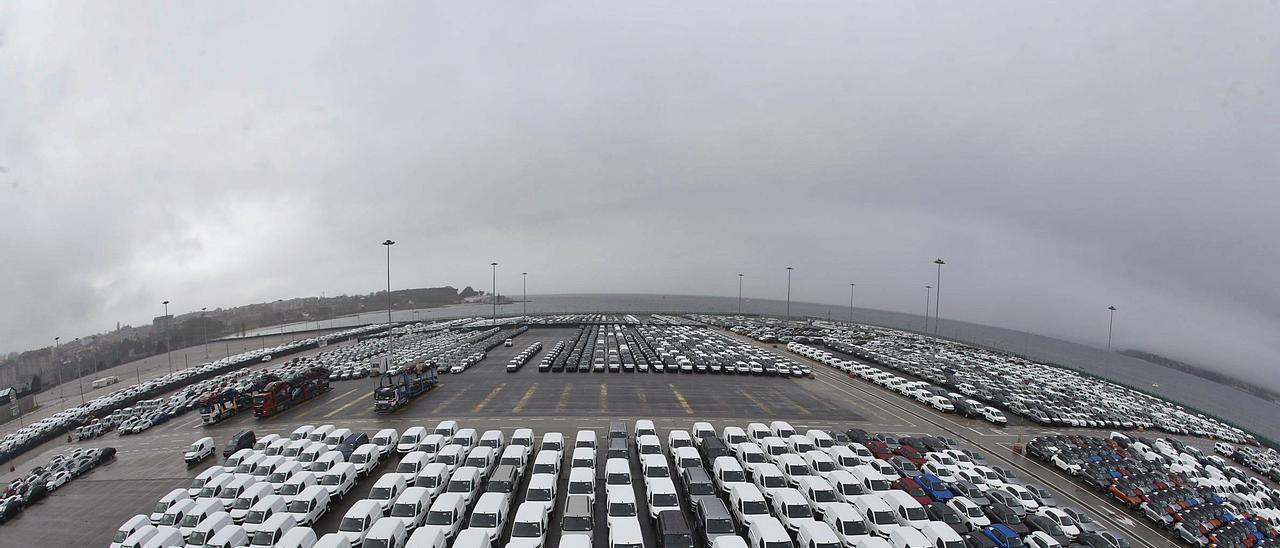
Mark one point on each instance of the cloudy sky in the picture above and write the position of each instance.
(1061, 156)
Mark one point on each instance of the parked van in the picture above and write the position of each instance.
(552, 441)
(139, 536)
(249, 497)
(582, 481)
(165, 536)
(201, 479)
(200, 450)
(907, 537)
(447, 428)
(411, 507)
(906, 509)
(298, 537)
(164, 504)
(482, 458)
(128, 528)
(817, 535)
(585, 438)
(272, 530)
(206, 529)
(229, 492)
(583, 457)
(427, 538)
(301, 432)
(494, 439)
(296, 483)
(434, 477)
(466, 437)
(781, 429)
(768, 532)
(617, 472)
(529, 528)
(547, 462)
(877, 514)
(848, 525)
(388, 532)
(515, 455)
(523, 437)
(446, 515)
(542, 489)
(321, 432)
(309, 505)
(283, 472)
(386, 440)
(578, 517)
(339, 480)
(335, 438)
(505, 479)
(940, 535)
(267, 466)
(175, 513)
(411, 464)
(451, 455)
(228, 537)
(685, 457)
(728, 472)
(386, 489)
(466, 482)
(409, 439)
(270, 505)
(490, 514)
(748, 504)
(358, 519)
(232, 462)
(365, 458)
(199, 512)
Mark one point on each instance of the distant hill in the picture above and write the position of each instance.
(1215, 376)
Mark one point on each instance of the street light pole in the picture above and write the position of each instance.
(851, 303)
(937, 299)
(739, 294)
(928, 292)
(788, 294)
(204, 328)
(524, 280)
(167, 349)
(80, 374)
(391, 343)
(494, 296)
(58, 368)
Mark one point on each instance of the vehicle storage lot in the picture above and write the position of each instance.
(487, 397)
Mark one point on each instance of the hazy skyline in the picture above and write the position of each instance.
(1062, 157)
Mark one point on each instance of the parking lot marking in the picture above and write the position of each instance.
(564, 398)
(349, 404)
(524, 399)
(680, 398)
(449, 401)
(763, 408)
(492, 393)
(604, 398)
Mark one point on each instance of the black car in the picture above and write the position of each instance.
(349, 445)
(9, 509)
(105, 454)
(970, 491)
(939, 511)
(977, 539)
(696, 483)
(674, 530)
(243, 439)
(999, 513)
(1049, 527)
(712, 519)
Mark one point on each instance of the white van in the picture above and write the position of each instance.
(542, 490)
(387, 532)
(270, 505)
(165, 503)
(409, 439)
(294, 448)
(472, 539)
(386, 440)
(298, 537)
(686, 457)
(768, 532)
(820, 495)
(446, 428)
(792, 509)
(617, 472)
(482, 458)
(515, 455)
(358, 519)
(523, 437)
(233, 489)
(434, 477)
(793, 468)
(283, 472)
(267, 465)
(906, 537)
(198, 483)
(582, 481)
(128, 528)
(301, 432)
(552, 441)
(386, 489)
(940, 535)
(906, 509)
(230, 464)
(849, 527)
(547, 462)
(411, 463)
(309, 505)
(661, 496)
(529, 529)
(265, 441)
(585, 438)
(272, 530)
(817, 535)
(877, 514)
(138, 537)
(296, 483)
(411, 507)
(339, 480)
(748, 505)
(249, 497)
(466, 437)
(583, 457)
(445, 515)
(700, 431)
(327, 460)
(494, 439)
(490, 514)
(164, 537)
(466, 482)
(334, 439)
(200, 450)
(620, 504)
(174, 515)
(228, 537)
(451, 456)
(197, 513)
(365, 458)
(427, 538)
(679, 438)
(781, 429)
(728, 473)
(321, 432)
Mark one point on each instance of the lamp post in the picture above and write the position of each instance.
(391, 343)
(494, 296)
(58, 368)
(851, 303)
(1110, 325)
(80, 374)
(739, 294)
(167, 350)
(204, 328)
(928, 292)
(937, 299)
(788, 294)
(524, 281)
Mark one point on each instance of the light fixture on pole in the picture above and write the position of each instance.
(80, 373)
(788, 293)
(524, 281)
(937, 299)
(1110, 325)
(204, 327)
(391, 344)
(167, 350)
(58, 368)
(494, 297)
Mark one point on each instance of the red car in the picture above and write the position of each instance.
(913, 488)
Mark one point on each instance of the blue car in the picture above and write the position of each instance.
(935, 487)
(1003, 536)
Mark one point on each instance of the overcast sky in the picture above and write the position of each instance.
(1061, 156)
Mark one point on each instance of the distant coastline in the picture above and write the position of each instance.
(1207, 374)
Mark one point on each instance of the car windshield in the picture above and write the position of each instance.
(777, 545)
(168, 519)
(544, 468)
(197, 538)
(827, 545)
(722, 525)
(191, 520)
(293, 488)
(577, 524)
(411, 439)
(677, 541)
(376, 543)
(701, 489)
(774, 482)
(754, 457)
(242, 504)
(622, 509)
(754, 507)
(459, 486)
(732, 476)
(799, 511)
(657, 472)
(481, 519)
(855, 527)
(824, 466)
(439, 517)
(255, 516)
(880, 485)
(162, 507)
(404, 510)
(619, 479)
(664, 499)
(351, 525)
(298, 506)
(581, 487)
(262, 538)
(883, 518)
(952, 544)
(824, 495)
(526, 530)
(538, 495)
(478, 462)
(407, 468)
(974, 512)
(120, 536)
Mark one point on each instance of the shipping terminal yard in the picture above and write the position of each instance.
(628, 430)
